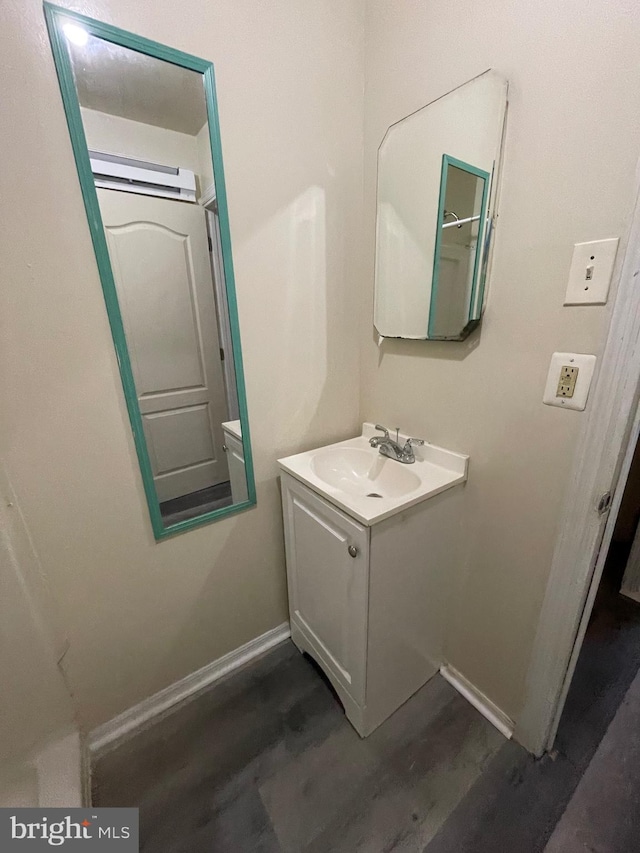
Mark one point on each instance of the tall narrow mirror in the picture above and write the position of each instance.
(144, 127)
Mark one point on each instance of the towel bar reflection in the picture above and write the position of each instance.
(460, 222)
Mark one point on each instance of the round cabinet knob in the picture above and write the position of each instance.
(353, 551)
(224, 447)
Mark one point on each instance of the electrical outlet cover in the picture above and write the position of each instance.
(590, 273)
(585, 364)
(567, 383)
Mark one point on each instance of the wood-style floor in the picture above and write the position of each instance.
(265, 762)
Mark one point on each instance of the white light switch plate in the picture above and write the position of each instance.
(590, 273)
(585, 364)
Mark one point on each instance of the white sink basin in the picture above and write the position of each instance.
(370, 487)
(361, 472)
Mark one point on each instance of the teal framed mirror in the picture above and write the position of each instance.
(145, 133)
(458, 280)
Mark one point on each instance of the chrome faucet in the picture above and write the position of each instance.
(392, 449)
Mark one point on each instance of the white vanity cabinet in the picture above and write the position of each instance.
(328, 579)
(368, 602)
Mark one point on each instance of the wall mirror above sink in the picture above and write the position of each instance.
(438, 179)
(144, 128)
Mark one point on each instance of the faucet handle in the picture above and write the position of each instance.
(383, 429)
(414, 441)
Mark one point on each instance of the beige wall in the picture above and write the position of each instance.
(35, 706)
(569, 175)
(140, 615)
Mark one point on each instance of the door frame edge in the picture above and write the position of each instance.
(604, 444)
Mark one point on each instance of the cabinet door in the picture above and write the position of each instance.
(328, 585)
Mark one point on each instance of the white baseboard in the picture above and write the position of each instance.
(59, 767)
(482, 703)
(125, 725)
(50, 777)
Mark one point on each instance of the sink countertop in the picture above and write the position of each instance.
(363, 471)
(234, 428)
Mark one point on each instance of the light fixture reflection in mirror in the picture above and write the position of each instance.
(143, 130)
(76, 35)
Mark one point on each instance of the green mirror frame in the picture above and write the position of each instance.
(477, 287)
(55, 16)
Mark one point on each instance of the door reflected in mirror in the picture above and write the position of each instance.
(456, 270)
(163, 248)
